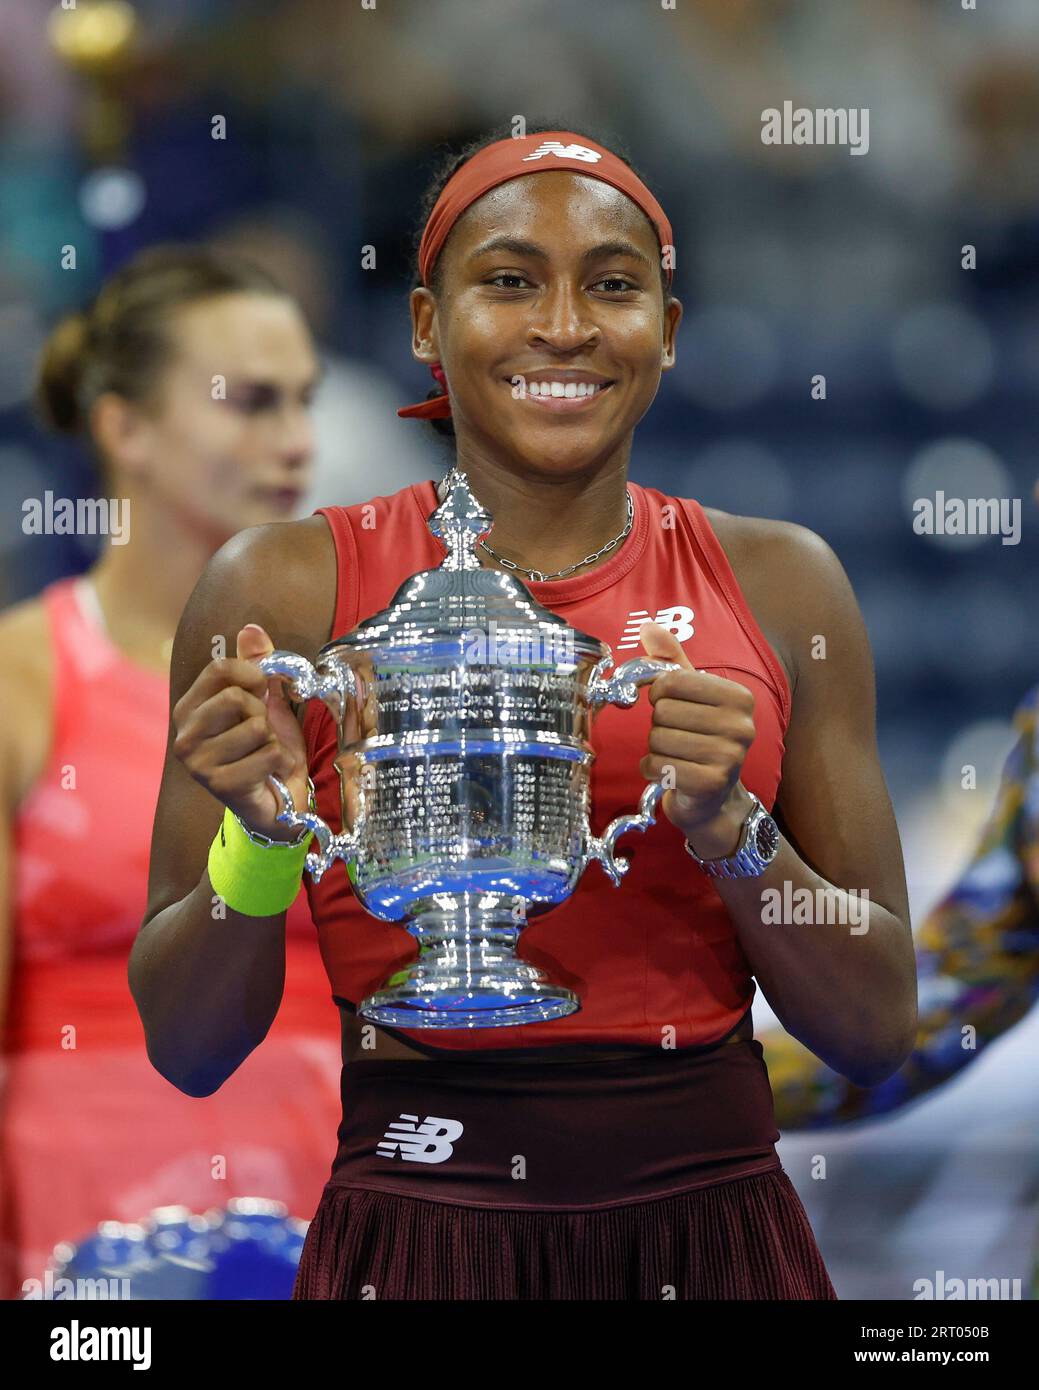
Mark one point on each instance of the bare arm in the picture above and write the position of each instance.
(848, 996)
(207, 980)
(7, 808)
(847, 990)
(26, 698)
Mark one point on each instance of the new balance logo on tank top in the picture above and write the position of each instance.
(655, 960)
(677, 618)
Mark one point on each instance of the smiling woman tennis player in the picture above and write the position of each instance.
(626, 1151)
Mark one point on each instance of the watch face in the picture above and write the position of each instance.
(766, 841)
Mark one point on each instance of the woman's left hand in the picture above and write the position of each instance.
(703, 726)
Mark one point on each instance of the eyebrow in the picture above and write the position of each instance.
(518, 247)
(315, 378)
(262, 383)
(319, 373)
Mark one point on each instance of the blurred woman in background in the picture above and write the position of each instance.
(190, 377)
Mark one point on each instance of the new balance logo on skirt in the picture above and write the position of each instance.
(429, 1142)
(677, 619)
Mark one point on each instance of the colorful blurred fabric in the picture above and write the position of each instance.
(977, 959)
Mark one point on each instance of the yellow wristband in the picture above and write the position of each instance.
(255, 880)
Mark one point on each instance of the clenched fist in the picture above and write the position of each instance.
(703, 726)
(233, 727)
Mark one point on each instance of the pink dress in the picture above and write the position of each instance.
(90, 1130)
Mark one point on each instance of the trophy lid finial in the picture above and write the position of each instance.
(438, 611)
(459, 522)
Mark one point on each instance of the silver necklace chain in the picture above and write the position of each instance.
(539, 577)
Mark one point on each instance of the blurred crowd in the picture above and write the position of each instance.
(793, 262)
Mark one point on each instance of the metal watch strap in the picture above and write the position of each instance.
(745, 861)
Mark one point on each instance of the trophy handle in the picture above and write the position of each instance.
(307, 682)
(602, 847)
(333, 685)
(622, 688)
(332, 847)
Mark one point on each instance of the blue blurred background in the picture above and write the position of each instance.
(792, 261)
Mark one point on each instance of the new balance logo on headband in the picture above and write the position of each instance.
(428, 1142)
(678, 620)
(556, 147)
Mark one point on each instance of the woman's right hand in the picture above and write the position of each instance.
(233, 726)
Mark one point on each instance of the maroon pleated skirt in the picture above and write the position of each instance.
(650, 1177)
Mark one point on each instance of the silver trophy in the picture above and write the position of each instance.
(463, 714)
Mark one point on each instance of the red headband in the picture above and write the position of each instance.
(510, 159)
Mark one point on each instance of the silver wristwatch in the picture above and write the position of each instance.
(758, 846)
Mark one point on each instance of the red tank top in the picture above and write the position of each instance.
(81, 841)
(659, 951)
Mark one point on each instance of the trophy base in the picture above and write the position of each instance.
(467, 977)
(471, 1004)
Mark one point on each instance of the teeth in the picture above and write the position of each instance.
(569, 390)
